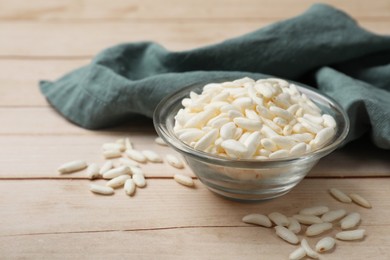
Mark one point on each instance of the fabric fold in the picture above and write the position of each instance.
(346, 62)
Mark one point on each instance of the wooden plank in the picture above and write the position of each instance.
(32, 207)
(173, 9)
(45, 120)
(183, 243)
(32, 156)
(28, 120)
(57, 39)
(19, 79)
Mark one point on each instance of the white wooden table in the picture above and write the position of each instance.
(45, 215)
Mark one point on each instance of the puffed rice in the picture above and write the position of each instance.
(351, 235)
(103, 190)
(257, 219)
(174, 161)
(72, 166)
(286, 235)
(184, 180)
(358, 199)
(325, 244)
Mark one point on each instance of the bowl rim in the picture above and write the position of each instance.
(172, 140)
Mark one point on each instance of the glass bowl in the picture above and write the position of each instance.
(247, 179)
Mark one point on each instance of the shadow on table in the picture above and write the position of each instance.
(359, 158)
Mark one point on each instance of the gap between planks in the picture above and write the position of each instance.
(193, 177)
(15, 57)
(63, 9)
(198, 243)
(194, 20)
(153, 229)
(132, 230)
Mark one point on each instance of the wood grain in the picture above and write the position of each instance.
(45, 120)
(57, 39)
(174, 9)
(183, 243)
(64, 206)
(19, 79)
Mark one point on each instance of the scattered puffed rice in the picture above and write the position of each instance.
(309, 251)
(93, 171)
(109, 154)
(72, 166)
(117, 181)
(307, 219)
(184, 180)
(128, 162)
(316, 211)
(333, 215)
(120, 141)
(297, 254)
(113, 147)
(350, 221)
(106, 166)
(128, 144)
(136, 170)
(317, 229)
(103, 190)
(152, 156)
(174, 161)
(325, 244)
(113, 173)
(129, 187)
(257, 219)
(139, 180)
(279, 219)
(340, 196)
(160, 141)
(286, 235)
(310, 216)
(351, 235)
(360, 200)
(294, 225)
(136, 155)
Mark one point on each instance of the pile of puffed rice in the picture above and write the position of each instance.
(247, 119)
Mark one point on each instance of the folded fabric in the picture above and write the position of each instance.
(323, 48)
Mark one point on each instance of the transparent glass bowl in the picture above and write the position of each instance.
(249, 180)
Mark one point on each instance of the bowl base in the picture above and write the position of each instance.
(252, 195)
(247, 197)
